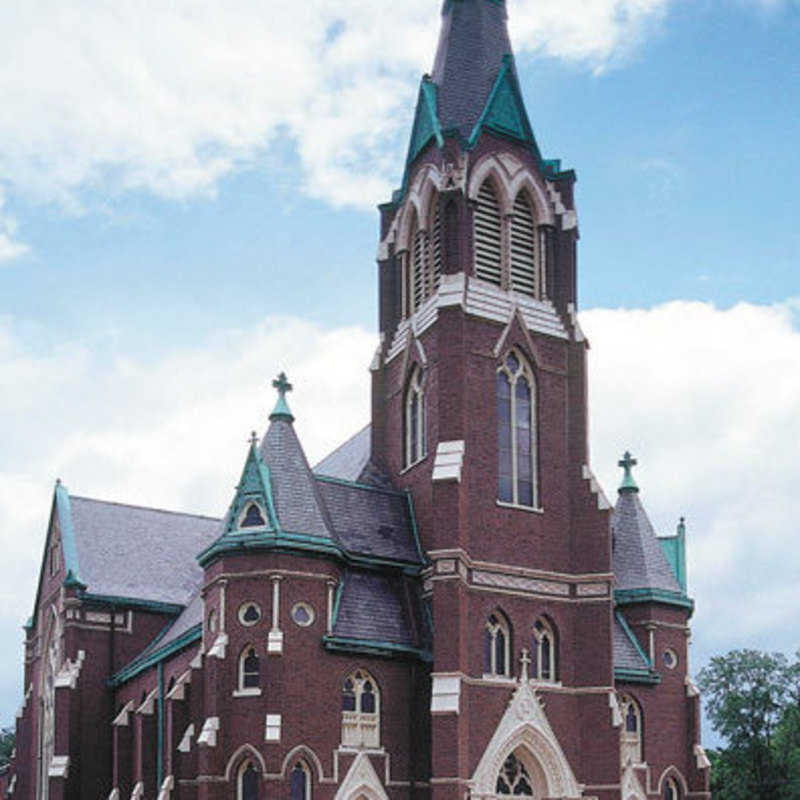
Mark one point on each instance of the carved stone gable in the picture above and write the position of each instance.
(361, 781)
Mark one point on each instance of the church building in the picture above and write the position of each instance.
(447, 607)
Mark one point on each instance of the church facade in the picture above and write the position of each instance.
(445, 607)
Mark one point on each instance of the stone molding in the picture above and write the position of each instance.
(361, 780)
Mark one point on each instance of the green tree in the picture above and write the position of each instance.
(752, 702)
(7, 742)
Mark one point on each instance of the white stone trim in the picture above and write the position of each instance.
(121, 720)
(197, 661)
(275, 643)
(208, 734)
(250, 691)
(219, 648)
(361, 779)
(616, 713)
(249, 750)
(138, 791)
(569, 218)
(114, 795)
(701, 759)
(594, 486)
(185, 744)
(275, 636)
(446, 694)
(272, 728)
(178, 691)
(525, 725)
(59, 767)
(70, 671)
(148, 704)
(691, 687)
(448, 461)
(631, 785)
(166, 788)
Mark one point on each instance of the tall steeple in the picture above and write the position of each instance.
(473, 44)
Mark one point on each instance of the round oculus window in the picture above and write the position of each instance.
(302, 614)
(249, 613)
(670, 658)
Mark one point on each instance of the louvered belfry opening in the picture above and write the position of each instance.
(436, 246)
(523, 247)
(417, 265)
(488, 235)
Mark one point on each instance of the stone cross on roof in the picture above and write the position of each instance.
(628, 483)
(281, 410)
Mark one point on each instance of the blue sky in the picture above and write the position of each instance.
(187, 205)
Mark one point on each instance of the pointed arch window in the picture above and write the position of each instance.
(671, 790)
(497, 645)
(249, 671)
(300, 782)
(514, 778)
(247, 782)
(488, 235)
(360, 710)
(414, 413)
(544, 651)
(252, 517)
(523, 273)
(631, 733)
(516, 432)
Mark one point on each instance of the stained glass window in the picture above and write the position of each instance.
(253, 518)
(514, 778)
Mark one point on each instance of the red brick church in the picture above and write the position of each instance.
(447, 606)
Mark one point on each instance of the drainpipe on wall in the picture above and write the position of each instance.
(160, 736)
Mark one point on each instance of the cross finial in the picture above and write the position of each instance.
(525, 660)
(627, 463)
(281, 410)
(253, 438)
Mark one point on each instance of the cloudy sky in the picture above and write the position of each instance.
(187, 202)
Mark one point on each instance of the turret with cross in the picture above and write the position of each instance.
(627, 463)
(281, 410)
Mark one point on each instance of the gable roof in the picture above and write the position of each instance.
(350, 458)
(132, 552)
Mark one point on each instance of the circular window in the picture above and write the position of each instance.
(303, 614)
(670, 659)
(249, 613)
(212, 621)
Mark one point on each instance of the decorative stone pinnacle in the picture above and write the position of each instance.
(525, 660)
(628, 483)
(281, 410)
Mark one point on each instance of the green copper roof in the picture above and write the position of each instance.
(674, 548)
(426, 121)
(628, 483)
(281, 410)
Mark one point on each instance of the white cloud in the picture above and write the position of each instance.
(10, 248)
(170, 97)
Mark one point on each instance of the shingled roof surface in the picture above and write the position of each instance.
(297, 501)
(472, 43)
(376, 607)
(639, 562)
(626, 654)
(370, 521)
(191, 616)
(350, 459)
(141, 553)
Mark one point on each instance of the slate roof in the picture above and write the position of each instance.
(626, 655)
(473, 40)
(135, 552)
(638, 560)
(377, 607)
(348, 460)
(190, 617)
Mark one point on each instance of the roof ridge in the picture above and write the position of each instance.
(358, 485)
(342, 444)
(145, 508)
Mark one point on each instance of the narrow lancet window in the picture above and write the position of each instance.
(249, 669)
(497, 645)
(544, 651)
(415, 433)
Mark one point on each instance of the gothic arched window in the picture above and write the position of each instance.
(360, 710)
(247, 782)
(249, 669)
(516, 432)
(252, 517)
(671, 790)
(631, 733)
(414, 418)
(488, 235)
(497, 645)
(514, 778)
(523, 277)
(544, 651)
(300, 782)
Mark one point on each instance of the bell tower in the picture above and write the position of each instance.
(479, 411)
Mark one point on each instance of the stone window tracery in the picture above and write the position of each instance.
(516, 432)
(544, 650)
(514, 778)
(497, 645)
(631, 732)
(360, 710)
(249, 614)
(415, 422)
(252, 517)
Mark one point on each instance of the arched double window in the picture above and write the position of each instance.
(414, 418)
(248, 781)
(360, 710)
(516, 432)
(631, 733)
(544, 650)
(672, 790)
(300, 782)
(488, 235)
(249, 670)
(497, 645)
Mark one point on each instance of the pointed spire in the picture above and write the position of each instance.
(628, 483)
(281, 410)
